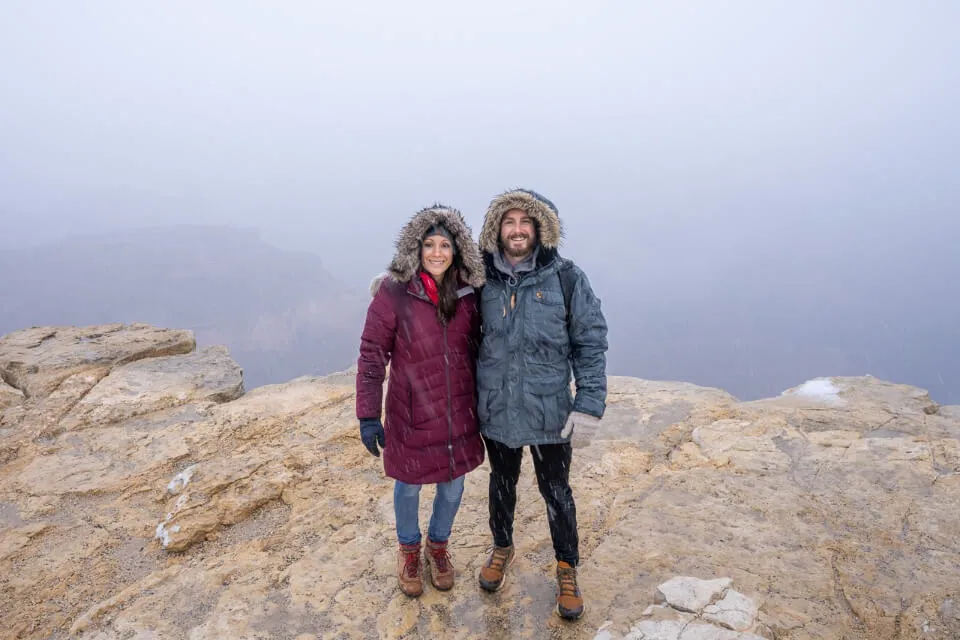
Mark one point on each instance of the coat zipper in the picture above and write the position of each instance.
(446, 369)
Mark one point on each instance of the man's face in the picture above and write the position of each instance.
(518, 235)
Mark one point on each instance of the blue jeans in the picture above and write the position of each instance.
(406, 505)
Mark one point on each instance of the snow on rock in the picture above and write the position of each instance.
(163, 530)
(163, 534)
(181, 480)
(821, 389)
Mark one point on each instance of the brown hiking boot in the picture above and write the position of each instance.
(569, 600)
(441, 568)
(408, 570)
(494, 572)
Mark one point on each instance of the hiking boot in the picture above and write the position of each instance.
(408, 570)
(441, 568)
(494, 572)
(569, 600)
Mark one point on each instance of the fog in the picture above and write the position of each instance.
(761, 192)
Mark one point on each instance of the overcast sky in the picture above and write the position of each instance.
(691, 147)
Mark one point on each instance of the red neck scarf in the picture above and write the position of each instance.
(430, 286)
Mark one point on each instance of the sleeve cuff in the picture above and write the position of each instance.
(590, 406)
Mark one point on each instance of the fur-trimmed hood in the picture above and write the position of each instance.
(406, 261)
(543, 212)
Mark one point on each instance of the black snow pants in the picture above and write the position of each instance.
(551, 463)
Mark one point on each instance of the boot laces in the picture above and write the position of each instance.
(441, 557)
(498, 560)
(411, 564)
(567, 578)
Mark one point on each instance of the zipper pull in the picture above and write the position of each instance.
(513, 300)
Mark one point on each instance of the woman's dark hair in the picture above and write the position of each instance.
(447, 290)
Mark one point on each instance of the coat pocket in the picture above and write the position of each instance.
(483, 406)
(546, 339)
(491, 398)
(546, 308)
(547, 403)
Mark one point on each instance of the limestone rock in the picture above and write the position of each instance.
(692, 594)
(685, 631)
(734, 611)
(744, 444)
(697, 609)
(9, 396)
(154, 384)
(225, 492)
(37, 360)
(140, 497)
(43, 414)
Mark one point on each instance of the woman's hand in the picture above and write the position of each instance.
(371, 432)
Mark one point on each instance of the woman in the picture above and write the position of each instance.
(425, 323)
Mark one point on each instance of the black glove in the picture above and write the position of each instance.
(371, 432)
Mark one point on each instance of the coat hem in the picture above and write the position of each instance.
(433, 478)
(523, 442)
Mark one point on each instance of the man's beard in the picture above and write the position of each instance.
(518, 253)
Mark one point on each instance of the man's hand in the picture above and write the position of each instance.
(577, 419)
(371, 432)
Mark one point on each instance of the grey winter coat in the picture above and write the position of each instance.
(529, 345)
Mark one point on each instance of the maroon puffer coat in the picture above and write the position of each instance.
(431, 428)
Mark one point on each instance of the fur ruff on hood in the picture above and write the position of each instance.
(406, 261)
(543, 212)
(376, 282)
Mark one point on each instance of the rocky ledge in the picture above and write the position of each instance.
(144, 495)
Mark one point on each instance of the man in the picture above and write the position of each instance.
(540, 318)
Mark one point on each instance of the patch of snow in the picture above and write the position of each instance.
(818, 389)
(162, 534)
(181, 480)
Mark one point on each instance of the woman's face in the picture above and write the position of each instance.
(436, 255)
